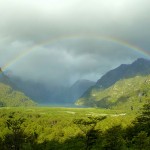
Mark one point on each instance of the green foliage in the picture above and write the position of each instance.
(87, 126)
(89, 122)
(45, 128)
(113, 139)
(141, 141)
(124, 94)
(15, 139)
(12, 98)
(142, 122)
(138, 134)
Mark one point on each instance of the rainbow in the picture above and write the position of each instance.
(57, 39)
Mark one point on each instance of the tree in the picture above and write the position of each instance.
(17, 139)
(142, 122)
(138, 134)
(141, 141)
(87, 126)
(113, 139)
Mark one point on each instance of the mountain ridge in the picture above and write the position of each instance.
(140, 67)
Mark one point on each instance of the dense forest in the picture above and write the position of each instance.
(74, 128)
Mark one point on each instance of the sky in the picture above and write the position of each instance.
(61, 41)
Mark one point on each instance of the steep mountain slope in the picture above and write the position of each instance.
(36, 91)
(77, 90)
(124, 94)
(9, 96)
(5, 80)
(140, 67)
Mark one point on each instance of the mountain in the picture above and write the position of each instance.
(77, 90)
(6, 80)
(124, 94)
(140, 67)
(36, 91)
(10, 96)
(52, 94)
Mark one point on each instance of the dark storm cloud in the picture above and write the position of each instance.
(27, 22)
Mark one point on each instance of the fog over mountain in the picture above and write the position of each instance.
(71, 39)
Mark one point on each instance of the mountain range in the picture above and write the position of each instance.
(15, 91)
(114, 87)
(44, 94)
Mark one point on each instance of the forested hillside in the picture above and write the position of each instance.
(125, 94)
(10, 97)
(9, 94)
(140, 67)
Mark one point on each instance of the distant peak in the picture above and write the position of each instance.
(142, 60)
(123, 65)
(83, 81)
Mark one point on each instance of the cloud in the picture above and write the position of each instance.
(41, 19)
(74, 24)
(71, 61)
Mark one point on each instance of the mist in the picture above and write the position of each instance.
(70, 28)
